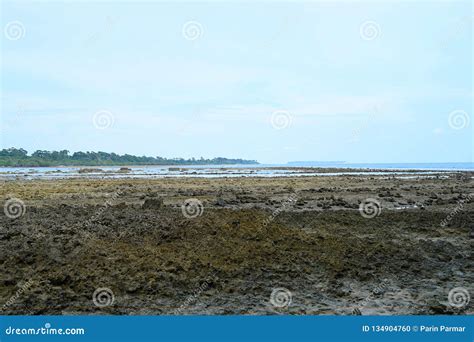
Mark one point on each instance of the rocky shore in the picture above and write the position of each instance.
(361, 244)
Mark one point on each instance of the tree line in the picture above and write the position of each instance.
(19, 157)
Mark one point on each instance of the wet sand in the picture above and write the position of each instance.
(292, 245)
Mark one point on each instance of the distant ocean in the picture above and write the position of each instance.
(211, 171)
(388, 166)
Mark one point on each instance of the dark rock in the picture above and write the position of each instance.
(220, 202)
(153, 203)
(90, 170)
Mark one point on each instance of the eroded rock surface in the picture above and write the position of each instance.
(237, 241)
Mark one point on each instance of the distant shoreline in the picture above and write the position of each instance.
(122, 165)
(18, 157)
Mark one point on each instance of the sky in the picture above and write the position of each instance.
(272, 81)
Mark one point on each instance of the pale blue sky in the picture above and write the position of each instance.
(347, 96)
